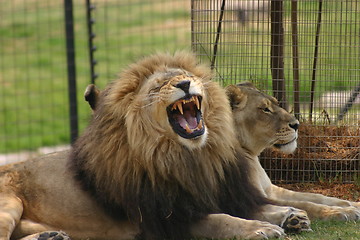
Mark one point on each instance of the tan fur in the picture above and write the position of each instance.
(129, 134)
(274, 214)
(134, 129)
(261, 123)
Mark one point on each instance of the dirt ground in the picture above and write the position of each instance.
(344, 191)
(324, 153)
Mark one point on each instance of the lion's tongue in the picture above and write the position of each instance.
(188, 119)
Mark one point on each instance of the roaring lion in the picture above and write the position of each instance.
(260, 123)
(158, 160)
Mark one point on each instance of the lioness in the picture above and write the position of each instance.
(260, 123)
(159, 160)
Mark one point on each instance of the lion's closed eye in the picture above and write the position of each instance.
(154, 90)
(266, 110)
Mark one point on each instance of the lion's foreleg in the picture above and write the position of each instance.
(324, 212)
(317, 205)
(285, 194)
(11, 209)
(289, 218)
(27, 227)
(225, 226)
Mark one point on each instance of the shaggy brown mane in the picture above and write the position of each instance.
(136, 169)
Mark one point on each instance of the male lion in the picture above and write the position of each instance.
(260, 123)
(159, 160)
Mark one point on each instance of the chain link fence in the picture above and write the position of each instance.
(34, 101)
(305, 53)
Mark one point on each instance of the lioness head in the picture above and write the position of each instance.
(260, 122)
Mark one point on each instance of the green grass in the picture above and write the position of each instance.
(33, 74)
(330, 230)
(327, 230)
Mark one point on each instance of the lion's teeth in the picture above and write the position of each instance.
(179, 106)
(199, 126)
(188, 130)
(197, 102)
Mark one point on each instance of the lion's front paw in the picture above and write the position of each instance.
(342, 213)
(49, 235)
(297, 221)
(263, 230)
(53, 236)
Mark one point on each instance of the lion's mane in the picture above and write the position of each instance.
(136, 171)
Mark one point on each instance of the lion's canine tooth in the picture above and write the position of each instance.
(197, 102)
(199, 126)
(179, 106)
(188, 130)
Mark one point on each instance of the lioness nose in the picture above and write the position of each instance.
(294, 126)
(184, 85)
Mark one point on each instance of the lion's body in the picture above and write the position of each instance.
(51, 200)
(260, 124)
(158, 160)
(157, 168)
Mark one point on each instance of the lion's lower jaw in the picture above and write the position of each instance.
(289, 148)
(194, 143)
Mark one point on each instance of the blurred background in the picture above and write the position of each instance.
(305, 53)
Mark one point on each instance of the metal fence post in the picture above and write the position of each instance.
(91, 35)
(71, 68)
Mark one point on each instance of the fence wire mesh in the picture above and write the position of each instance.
(34, 105)
(305, 53)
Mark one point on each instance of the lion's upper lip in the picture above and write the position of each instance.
(185, 116)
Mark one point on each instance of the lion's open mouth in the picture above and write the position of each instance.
(185, 117)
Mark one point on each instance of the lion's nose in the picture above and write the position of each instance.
(294, 126)
(184, 85)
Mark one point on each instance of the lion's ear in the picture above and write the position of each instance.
(92, 95)
(237, 97)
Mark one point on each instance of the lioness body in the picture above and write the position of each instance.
(261, 123)
(159, 160)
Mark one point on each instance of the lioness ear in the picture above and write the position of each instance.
(91, 95)
(236, 96)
